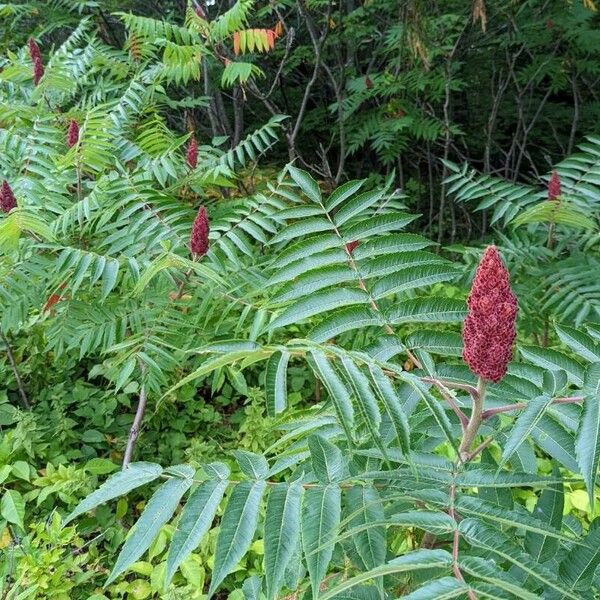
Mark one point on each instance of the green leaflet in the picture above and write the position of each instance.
(587, 445)
(491, 539)
(320, 518)
(427, 310)
(158, 511)
(119, 484)
(578, 567)
(359, 204)
(314, 281)
(581, 343)
(393, 407)
(555, 361)
(488, 571)
(438, 523)
(412, 278)
(549, 508)
(440, 589)
(339, 393)
(413, 561)
(12, 507)
(297, 252)
(370, 544)
(343, 192)
(282, 533)
(470, 506)
(524, 425)
(276, 382)
(237, 528)
(327, 461)
(345, 319)
(318, 303)
(395, 243)
(306, 183)
(196, 519)
(378, 224)
(252, 465)
(437, 342)
(555, 440)
(365, 401)
(309, 262)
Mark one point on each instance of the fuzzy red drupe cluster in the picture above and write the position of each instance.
(489, 329)
(554, 186)
(7, 198)
(199, 237)
(36, 57)
(72, 133)
(192, 153)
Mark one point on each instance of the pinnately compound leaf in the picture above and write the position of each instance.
(196, 519)
(119, 484)
(587, 446)
(237, 529)
(320, 518)
(158, 511)
(282, 532)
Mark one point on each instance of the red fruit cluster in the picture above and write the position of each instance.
(34, 50)
(192, 153)
(554, 186)
(489, 329)
(199, 237)
(72, 133)
(7, 198)
(351, 246)
(36, 57)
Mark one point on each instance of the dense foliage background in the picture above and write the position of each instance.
(305, 375)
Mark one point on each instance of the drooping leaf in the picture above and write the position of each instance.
(440, 589)
(326, 458)
(320, 518)
(587, 445)
(549, 508)
(158, 511)
(119, 484)
(579, 565)
(493, 540)
(524, 425)
(276, 382)
(413, 561)
(282, 532)
(365, 504)
(252, 465)
(195, 521)
(238, 525)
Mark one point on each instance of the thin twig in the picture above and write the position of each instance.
(134, 432)
(13, 364)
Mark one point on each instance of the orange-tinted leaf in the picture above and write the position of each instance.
(271, 38)
(236, 42)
